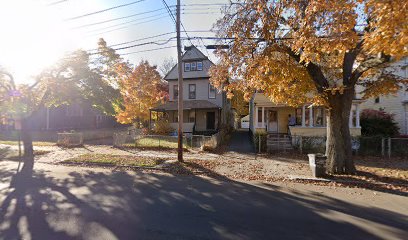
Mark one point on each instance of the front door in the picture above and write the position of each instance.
(272, 121)
(210, 120)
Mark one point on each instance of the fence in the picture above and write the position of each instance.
(361, 146)
(124, 139)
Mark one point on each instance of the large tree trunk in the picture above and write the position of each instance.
(338, 145)
(27, 143)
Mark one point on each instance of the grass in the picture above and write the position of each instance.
(157, 142)
(114, 160)
(38, 144)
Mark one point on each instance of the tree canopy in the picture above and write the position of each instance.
(141, 89)
(314, 51)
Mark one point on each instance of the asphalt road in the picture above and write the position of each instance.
(56, 202)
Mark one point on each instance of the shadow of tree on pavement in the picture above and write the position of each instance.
(63, 203)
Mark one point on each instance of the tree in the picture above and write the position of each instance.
(167, 65)
(105, 64)
(314, 51)
(239, 103)
(56, 85)
(141, 89)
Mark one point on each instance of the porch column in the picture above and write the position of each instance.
(263, 117)
(358, 115)
(256, 117)
(351, 116)
(303, 116)
(311, 116)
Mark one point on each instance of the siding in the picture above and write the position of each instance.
(394, 104)
(201, 91)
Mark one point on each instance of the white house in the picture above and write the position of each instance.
(396, 104)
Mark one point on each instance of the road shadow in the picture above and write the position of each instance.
(91, 204)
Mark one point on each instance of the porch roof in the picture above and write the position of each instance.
(187, 105)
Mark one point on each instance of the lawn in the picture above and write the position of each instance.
(167, 142)
(114, 160)
(38, 144)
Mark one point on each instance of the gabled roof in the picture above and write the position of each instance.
(192, 54)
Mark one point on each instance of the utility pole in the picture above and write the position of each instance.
(180, 88)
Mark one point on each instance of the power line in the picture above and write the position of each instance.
(137, 14)
(104, 10)
(169, 11)
(119, 18)
(135, 24)
(163, 42)
(127, 22)
(148, 50)
(57, 2)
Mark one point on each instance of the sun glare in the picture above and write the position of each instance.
(33, 37)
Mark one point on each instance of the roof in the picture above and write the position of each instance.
(192, 54)
(191, 104)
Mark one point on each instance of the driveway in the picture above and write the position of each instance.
(58, 202)
(241, 142)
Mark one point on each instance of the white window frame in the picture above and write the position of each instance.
(187, 67)
(209, 91)
(193, 66)
(189, 91)
(200, 66)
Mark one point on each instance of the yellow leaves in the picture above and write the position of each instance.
(389, 28)
(141, 89)
(318, 32)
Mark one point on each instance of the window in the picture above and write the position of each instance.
(191, 91)
(259, 115)
(377, 100)
(191, 116)
(211, 91)
(298, 116)
(193, 66)
(199, 66)
(175, 92)
(187, 67)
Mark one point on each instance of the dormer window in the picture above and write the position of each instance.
(187, 67)
(193, 66)
(199, 66)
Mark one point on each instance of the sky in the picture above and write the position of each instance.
(36, 33)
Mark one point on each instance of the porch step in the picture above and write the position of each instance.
(276, 142)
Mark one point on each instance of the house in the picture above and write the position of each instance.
(396, 104)
(71, 117)
(266, 116)
(205, 108)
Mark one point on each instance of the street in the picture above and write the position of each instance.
(59, 202)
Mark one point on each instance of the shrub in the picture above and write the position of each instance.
(374, 123)
(163, 127)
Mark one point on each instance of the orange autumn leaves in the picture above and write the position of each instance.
(141, 89)
(277, 42)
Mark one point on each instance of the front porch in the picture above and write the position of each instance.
(309, 120)
(199, 116)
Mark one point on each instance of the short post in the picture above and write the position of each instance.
(259, 143)
(389, 147)
(301, 144)
(382, 146)
(159, 141)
